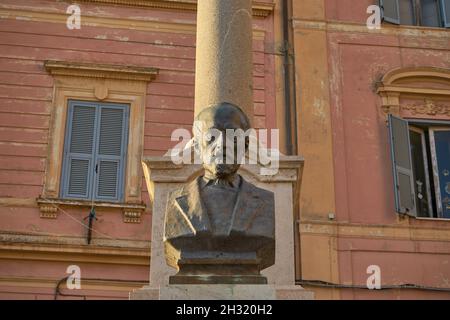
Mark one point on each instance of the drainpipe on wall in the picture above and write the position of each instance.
(290, 104)
(289, 80)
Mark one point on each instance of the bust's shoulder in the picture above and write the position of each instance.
(263, 194)
(185, 189)
(176, 193)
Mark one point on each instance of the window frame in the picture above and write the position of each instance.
(417, 13)
(426, 168)
(443, 7)
(435, 207)
(121, 84)
(428, 108)
(93, 180)
(436, 181)
(390, 19)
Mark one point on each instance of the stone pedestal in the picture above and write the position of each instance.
(222, 292)
(163, 176)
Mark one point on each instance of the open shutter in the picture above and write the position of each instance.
(111, 151)
(402, 166)
(390, 11)
(445, 6)
(78, 150)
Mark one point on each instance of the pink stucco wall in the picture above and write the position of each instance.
(26, 94)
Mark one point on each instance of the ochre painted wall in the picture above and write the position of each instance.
(344, 139)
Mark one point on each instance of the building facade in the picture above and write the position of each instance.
(321, 76)
(80, 107)
(349, 79)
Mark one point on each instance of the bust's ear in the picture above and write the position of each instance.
(196, 144)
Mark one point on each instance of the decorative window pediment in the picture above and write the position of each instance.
(416, 92)
(94, 83)
(103, 71)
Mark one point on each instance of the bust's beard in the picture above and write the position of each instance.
(221, 171)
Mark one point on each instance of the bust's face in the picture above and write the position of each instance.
(217, 135)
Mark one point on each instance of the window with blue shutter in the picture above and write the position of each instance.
(95, 151)
(402, 166)
(445, 8)
(430, 13)
(110, 152)
(420, 152)
(390, 11)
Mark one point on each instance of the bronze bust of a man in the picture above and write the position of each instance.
(219, 228)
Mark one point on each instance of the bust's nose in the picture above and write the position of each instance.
(219, 144)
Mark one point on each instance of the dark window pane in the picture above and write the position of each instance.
(406, 12)
(420, 176)
(430, 13)
(442, 143)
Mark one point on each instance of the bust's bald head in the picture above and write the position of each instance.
(224, 114)
(209, 122)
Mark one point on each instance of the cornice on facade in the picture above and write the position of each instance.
(49, 247)
(352, 27)
(425, 229)
(100, 20)
(260, 9)
(106, 71)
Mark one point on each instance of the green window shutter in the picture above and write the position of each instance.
(445, 8)
(390, 11)
(78, 161)
(111, 151)
(402, 166)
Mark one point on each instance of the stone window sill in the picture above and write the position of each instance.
(49, 208)
(432, 219)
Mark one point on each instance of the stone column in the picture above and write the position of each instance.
(224, 67)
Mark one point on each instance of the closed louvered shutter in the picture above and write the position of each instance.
(78, 153)
(445, 5)
(95, 151)
(110, 157)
